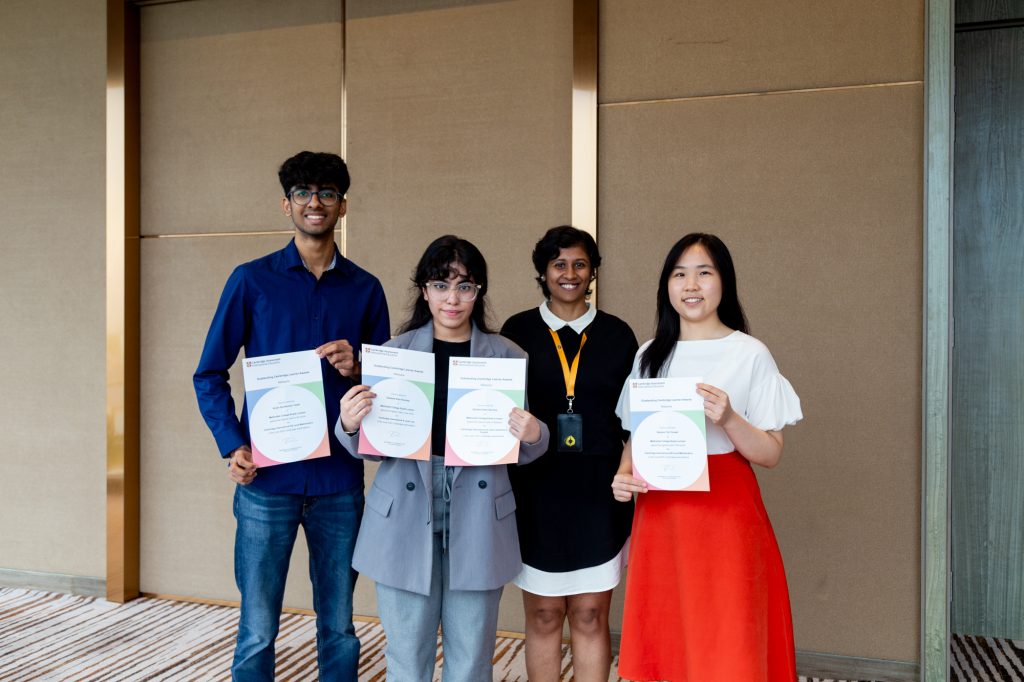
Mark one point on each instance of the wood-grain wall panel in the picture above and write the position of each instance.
(969, 11)
(987, 469)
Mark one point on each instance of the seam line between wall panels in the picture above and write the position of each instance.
(217, 234)
(764, 93)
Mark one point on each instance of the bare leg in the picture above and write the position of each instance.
(544, 618)
(588, 630)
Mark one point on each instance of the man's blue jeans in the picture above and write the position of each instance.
(265, 535)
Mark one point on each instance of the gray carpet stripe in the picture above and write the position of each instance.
(190, 654)
(153, 667)
(154, 646)
(988, 666)
(209, 657)
(977, 669)
(23, 606)
(214, 653)
(1000, 663)
(969, 663)
(138, 642)
(32, 619)
(1013, 655)
(82, 651)
(988, 657)
(290, 660)
(142, 644)
(958, 663)
(371, 653)
(210, 654)
(46, 637)
(214, 665)
(43, 621)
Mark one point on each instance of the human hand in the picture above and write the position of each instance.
(241, 468)
(624, 485)
(356, 404)
(523, 426)
(341, 356)
(717, 407)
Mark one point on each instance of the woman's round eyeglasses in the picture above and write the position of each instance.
(440, 291)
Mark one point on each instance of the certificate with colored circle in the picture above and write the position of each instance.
(399, 423)
(481, 394)
(284, 396)
(669, 439)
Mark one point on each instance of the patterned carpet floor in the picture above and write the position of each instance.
(47, 636)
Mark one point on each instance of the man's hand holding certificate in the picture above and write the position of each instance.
(284, 395)
(669, 440)
(399, 423)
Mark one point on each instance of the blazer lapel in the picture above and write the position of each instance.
(480, 345)
(423, 338)
(428, 480)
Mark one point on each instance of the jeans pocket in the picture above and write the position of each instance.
(379, 501)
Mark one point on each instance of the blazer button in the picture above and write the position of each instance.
(482, 484)
(410, 486)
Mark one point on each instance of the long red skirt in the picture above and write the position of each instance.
(706, 594)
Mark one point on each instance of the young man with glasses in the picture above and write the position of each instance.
(305, 296)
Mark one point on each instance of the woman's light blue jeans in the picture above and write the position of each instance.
(468, 620)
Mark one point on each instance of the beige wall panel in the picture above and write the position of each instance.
(52, 129)
(458, 122)
(229, 91)
(819, 197)
(187, 523)
(664, 48)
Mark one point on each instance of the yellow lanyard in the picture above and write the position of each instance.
(569, 374)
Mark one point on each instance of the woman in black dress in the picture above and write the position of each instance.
(572, 533)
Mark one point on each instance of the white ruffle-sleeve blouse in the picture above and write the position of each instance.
(740, 365)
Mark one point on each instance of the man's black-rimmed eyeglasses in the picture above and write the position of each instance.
(302, 196)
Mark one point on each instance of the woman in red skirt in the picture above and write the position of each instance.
(706, 595)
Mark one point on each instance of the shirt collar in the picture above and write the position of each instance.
(578, 325)
(294, 260)
(334, 261)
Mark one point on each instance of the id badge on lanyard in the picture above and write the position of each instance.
(570, 424)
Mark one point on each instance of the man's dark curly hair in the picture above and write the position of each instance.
(314, 168)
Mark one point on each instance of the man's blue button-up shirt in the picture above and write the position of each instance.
(274, 305)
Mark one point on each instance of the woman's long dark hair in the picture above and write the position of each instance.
(437, 263)
(730, 312)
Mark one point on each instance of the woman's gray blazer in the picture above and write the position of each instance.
(395, 545)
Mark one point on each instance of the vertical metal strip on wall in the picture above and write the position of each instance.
(584, 116)
(122, 301)
(938, 224)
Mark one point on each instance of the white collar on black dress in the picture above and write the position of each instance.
(578, 325)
